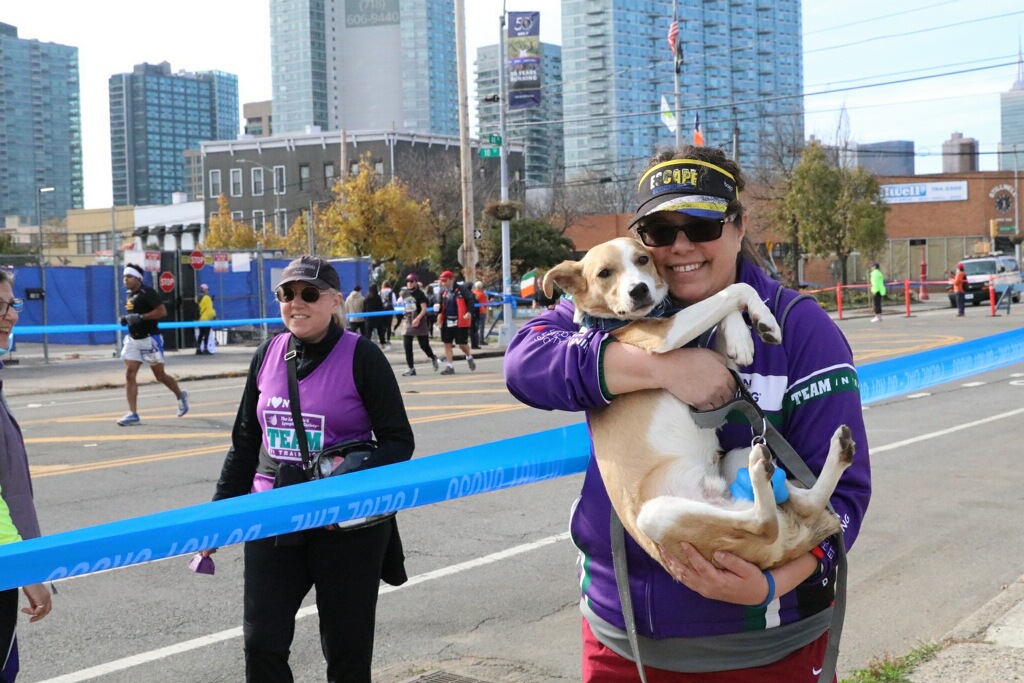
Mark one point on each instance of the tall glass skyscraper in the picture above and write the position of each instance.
(40, 128)
(1011, 123)
(539, 129)
(154, 117)
(742, 68)
(385, 65)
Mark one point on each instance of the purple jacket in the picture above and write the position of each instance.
(807, 386)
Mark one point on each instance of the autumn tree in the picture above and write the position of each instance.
(532, 244)
(224, 232)
(371, 217)
(838, 209)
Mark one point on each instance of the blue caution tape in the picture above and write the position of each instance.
(423, 481)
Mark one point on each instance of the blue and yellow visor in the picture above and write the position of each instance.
(696, 188)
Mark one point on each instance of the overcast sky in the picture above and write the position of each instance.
(847, 46)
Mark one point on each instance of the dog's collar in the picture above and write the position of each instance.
(662, 310)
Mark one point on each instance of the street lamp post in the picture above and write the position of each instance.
(277, 196)
(42, 267)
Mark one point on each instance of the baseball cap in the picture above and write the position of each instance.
(446, 275)
(696, 188)
(412, 277)
(312, 270)
(204, 286)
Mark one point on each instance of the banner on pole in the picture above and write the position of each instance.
(523, 60)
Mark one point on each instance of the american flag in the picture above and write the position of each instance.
(675, 44)
(698, 136)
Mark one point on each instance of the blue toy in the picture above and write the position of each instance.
(741, 489)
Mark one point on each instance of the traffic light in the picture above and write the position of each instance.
(993, 228)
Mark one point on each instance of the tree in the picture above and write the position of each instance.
(533, 244)
(224, 232)
(372, 217)
(838, 210)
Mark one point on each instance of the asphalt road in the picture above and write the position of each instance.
(493, 594)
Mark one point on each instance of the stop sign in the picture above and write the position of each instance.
(197, 260)
(166, 281)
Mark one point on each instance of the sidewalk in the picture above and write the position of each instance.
(84, 367)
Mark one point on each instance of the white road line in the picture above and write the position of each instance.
(924, 394)
(944, 432)
(974, 384)
(214, 638)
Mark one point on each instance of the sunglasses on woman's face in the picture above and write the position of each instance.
(661, 233)
(308, 294)
(16, 304)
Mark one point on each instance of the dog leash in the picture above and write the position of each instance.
(781, 449)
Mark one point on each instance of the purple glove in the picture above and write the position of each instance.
(201, 565)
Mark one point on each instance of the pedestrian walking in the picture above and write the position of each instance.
(345, 392)
(353, 307)
(18, 520)
(415, 321)
(959, 289)
(376, 324)
(877, 291)
(206, 313)
(387, 299)
(478, 333)
(455, 317)
(143, 343)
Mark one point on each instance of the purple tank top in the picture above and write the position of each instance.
(332, 410)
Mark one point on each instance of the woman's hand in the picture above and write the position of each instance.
(734, 579)
(698, 377)
(39, 601)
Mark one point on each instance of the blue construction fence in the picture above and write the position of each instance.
(85, 295)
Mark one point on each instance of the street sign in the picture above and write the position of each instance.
(494, 139)
(490, 152)
(197, 260)
(474, 256)
(220, 262)
(153, 261)
(166, 281)
(477, 233)
(1008, 228)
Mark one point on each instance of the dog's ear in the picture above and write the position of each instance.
(568, 275)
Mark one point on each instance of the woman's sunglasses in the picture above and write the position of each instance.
(308, 294)
(663, 234)
(16, 304)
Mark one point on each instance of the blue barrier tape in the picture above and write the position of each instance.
(424, 481)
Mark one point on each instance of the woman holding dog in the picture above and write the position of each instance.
(725, 622)
(347, 391)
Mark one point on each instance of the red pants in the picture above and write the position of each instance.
(601, 665)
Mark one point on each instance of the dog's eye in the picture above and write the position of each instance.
(643, 260)
(605, 273)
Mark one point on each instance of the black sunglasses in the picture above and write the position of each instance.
(662, 234)
(16, 304)
(308, 294)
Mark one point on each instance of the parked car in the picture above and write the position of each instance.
(1003, 268)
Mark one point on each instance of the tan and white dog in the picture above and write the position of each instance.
(667, 478)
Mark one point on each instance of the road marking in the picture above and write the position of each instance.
(221, 636)
(974, 384)
(944, 432)
(924, 394)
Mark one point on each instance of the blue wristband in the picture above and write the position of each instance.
(771, 590)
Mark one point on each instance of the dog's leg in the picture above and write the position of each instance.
(761, 470)
(733, 339)
(809, 502)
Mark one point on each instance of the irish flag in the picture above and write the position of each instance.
(528, 285)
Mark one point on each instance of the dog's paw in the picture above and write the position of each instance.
(734, 340)
(843, 443)
(764, 322)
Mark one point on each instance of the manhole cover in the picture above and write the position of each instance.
(443, 677)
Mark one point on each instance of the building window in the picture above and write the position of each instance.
(329, 174)
(282, 226)
(378, 168)
(259, 220)
(236, 182)
(236, 215)
(257, 182)
(304, 177)
(279, 180)
(215, 183)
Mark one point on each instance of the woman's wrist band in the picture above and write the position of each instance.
(771, 589)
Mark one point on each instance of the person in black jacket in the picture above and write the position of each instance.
(347, 392)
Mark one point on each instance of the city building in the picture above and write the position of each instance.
(892, 157)
(339, 64)
(1011, 123)
(269, 182)
(617, 66)
(156, 115)
(538, 129)
(258, 118)
(40, 130)
(959, 154)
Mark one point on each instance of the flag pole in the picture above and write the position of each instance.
(675, 71)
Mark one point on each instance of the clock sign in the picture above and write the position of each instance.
(1004, 203)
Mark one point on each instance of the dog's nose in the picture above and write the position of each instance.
(638, 292)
